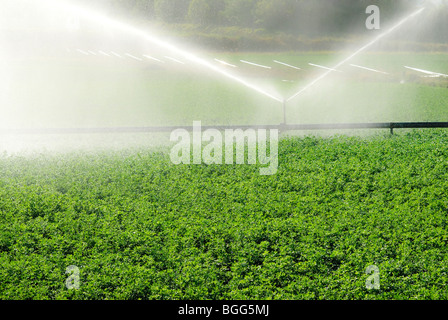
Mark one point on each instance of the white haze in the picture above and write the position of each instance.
(64, 65)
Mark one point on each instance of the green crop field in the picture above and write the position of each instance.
(139, 227)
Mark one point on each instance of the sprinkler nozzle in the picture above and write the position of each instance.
(284, 112)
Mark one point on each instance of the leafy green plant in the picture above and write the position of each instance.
(139, 227)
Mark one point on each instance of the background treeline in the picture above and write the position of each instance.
(292, 16)
(277, 24)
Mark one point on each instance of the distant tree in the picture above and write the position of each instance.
(206, 11)
(274, 14)
(313, 18)
(171, 11)
(199, 12)
(145, 8)
(138, 8)
(240, 13)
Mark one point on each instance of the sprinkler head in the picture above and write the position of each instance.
(284, 113)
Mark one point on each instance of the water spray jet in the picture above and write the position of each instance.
(133, 57)
(174, 60)
(116, 54)
(107, 22)
(82, 52)
(287, 65)
(323, 67)
(368, 69)
(152, 58)
(255, 64)
(226, 63)
(104, 53)
(284, 113)
(399, 24)
(205, 64)
(433, 74)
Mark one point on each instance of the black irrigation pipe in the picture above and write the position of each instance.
(379, 125)
(282, 127)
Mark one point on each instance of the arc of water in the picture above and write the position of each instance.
(322, 67)
(368, 69)
(83, 52)
(152, 58)
(174, 60)
(112, 23)
(324, 75)
(133, 57)
(427, 72)
(104, 53)
(226, 63)
(286, 64)
(116, 54)
(255, 64)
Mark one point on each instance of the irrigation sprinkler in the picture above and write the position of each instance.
(284, 113)
(188, 57)
(159, 41)
(384, 34)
